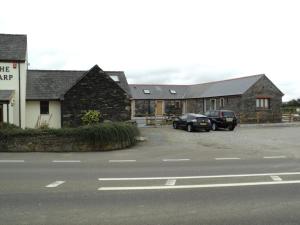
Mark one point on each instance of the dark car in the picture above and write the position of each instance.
(222, 119)
(191, 122)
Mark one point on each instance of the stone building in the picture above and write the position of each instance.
(253, 98)
(31, 98)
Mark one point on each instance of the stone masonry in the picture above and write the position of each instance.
(95, 91)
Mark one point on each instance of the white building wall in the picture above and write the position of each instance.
(15, 79)
(34, 118)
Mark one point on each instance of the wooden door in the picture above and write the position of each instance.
(159, 108)
(1, 113)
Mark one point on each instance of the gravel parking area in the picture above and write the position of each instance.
(243, 141)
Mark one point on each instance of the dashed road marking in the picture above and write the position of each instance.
(170, 182)
(11, 161)
(232, 158)
(66, 161)
(276, 178)
(122, 160)
(55, 184)
(197, 186)
(275, 157)
(175, 160)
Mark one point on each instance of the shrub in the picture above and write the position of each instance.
(100, 134)
(91, 117)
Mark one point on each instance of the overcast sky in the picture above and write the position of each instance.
(175, 42)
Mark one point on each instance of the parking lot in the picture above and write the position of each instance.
(243, 142)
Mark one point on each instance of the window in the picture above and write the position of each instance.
(263, 103)
(222, 102)
(172, 91)
(44, 107)
(115, 78)
(146, 91)
(213, 105)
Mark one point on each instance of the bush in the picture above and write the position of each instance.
(91, 117)
(100, 134)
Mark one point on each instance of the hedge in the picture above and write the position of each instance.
(101, 134)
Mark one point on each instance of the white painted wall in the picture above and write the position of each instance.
(13, 84)
(33, 116)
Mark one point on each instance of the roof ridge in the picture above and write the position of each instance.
(58, 70)
(236, 78)
(160, 84)
(13, 34)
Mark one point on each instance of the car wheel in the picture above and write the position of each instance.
(175, 125)
(231, 127)
(189, 128)
(214, 127)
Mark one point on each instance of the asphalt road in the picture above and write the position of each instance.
(157, 182)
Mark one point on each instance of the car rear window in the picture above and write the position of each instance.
(228, 114)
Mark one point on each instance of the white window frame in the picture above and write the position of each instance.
(173, 92)
(215, 104)
(115, 78)
(262, 103)
(147, 91)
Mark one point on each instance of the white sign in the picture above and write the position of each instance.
(5, 73)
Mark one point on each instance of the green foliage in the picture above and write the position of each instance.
(292, 103)
(103, 134)
(91, 117)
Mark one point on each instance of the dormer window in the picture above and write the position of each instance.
(115, 78)
(172, 91)
(146, 91)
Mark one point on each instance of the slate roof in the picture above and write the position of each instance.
(236, 86)
(13, 47)
(158, 91)
(6, 95)
(53, 84)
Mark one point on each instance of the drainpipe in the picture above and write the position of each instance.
(7, 111)
(19, 94)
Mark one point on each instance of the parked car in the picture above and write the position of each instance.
(192, 122)
(222, 119)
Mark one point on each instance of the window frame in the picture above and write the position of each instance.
(44, 107)
(222, 102)
(263, 103)
(147, 91)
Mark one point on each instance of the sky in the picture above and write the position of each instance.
(163, 41)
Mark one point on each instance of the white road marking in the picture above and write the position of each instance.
(197, 186)
(199, 177)
(120, 161)
(11, 161)
(175, 160)
(170, 182)
(276, 178)
(233, 158)
(55, 184)
(275, 157)
(66, 161)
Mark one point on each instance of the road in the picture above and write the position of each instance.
(169, 185)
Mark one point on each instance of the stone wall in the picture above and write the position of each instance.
(51, 143)
(95, 91)
(263, 88)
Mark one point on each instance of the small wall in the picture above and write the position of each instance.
(52, 143)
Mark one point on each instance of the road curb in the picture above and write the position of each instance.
(262, 125)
